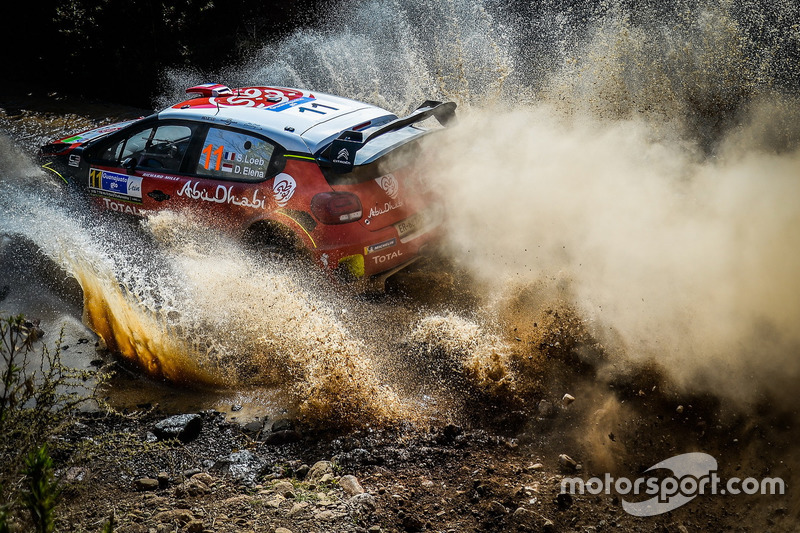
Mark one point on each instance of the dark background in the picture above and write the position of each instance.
(116, 50)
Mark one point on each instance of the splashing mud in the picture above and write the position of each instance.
(636, 167)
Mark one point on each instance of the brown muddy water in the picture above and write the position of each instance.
(638, 167)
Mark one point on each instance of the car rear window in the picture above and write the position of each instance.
(234, 155)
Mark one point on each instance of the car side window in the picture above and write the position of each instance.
(235, 155)
(128, 146)
(165, 149)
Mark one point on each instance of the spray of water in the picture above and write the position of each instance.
(639, 164)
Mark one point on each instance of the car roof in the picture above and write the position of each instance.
(299, 120)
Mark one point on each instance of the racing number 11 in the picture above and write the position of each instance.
(218, 152)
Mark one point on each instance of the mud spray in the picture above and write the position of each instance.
(636, 166)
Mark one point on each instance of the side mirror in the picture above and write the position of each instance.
(129, 164)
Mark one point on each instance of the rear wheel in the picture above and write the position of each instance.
(275, 240)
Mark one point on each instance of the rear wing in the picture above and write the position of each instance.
(343, 149)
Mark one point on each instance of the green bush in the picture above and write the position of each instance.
(39, 398)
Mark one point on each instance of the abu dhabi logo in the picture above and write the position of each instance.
(389, 185)
(693, 474)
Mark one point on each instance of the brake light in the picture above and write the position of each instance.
(336, 207)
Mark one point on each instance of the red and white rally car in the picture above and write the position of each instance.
(284, 167)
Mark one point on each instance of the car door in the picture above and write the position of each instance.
(141, 168)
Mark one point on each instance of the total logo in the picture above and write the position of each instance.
(387, 257)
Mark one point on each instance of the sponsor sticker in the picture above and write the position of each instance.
(114, 185)
(283, 188)
(389, 185)
(371, 249)
(291, 103)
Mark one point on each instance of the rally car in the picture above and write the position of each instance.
(286, 168)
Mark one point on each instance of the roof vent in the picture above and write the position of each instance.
(210, 89)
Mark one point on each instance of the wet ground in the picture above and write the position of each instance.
(475, 450)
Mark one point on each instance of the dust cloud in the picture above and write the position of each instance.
(657, 190)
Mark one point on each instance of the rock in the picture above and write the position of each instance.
(545, 409)
(535, 467)
(75, 474)
(204, 477)
(567, 399)
(282, 530)
(411, 523)
(283, 437)
(146, 484)
(679, 409)
(181, 516)
(163, 480)
(522, 515)
(242, 465)
(297, 508)
(185, 428)
(284, 424)
(567, 463)
(324, 516)
(254, 427)
(302, 472)
(318, 471)
(193, 526)
(564, 501)
(285, 489)
(548, 526)
(192, 487)
(351, 485)
(362, 504)
(374, 529)
(497, 509)
(236, 407)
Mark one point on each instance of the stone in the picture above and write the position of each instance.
(679, 409)
(181, 516)
(567, 463)
(282, 530)
(193, 487)
(242, 465)
(285, 489)
(324, 516)
(567, 399)
(253, 427)
(282, 437)
(163, 480)
(535, 467)
(193, 526)
(297, 508)
(284, 424)
(204, 477)
(545, 409)
(548, 526)
(302, 472)
(411, 523)
(362, 504)
(146, 484)
(351, 485)
(318, 471)
(185, 428)
(497, 509)
(523, 515)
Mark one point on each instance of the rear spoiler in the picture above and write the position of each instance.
(342, 151)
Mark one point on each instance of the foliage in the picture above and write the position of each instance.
(39, 398)
(41, 491)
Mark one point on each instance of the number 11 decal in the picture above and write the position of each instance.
(218, 152)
